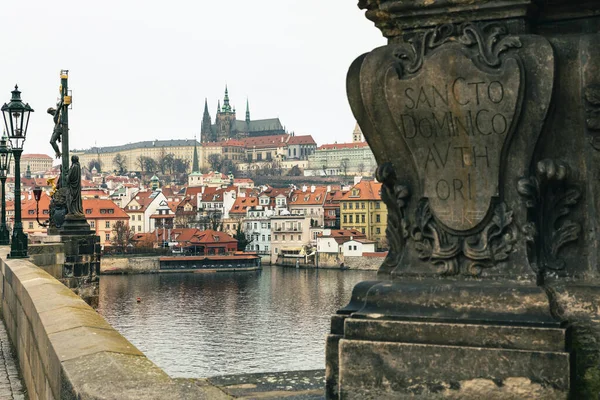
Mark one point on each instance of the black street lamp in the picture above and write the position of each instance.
(5, 156)
(16, 118)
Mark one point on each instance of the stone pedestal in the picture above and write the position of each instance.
(81, 266)
(484, 118)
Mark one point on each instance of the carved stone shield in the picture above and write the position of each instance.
(456, 116)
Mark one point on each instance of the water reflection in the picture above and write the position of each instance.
(200, 325)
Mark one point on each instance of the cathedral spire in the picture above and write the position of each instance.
(205, 129)
(226, 106)
(218, 106)
(247, 111)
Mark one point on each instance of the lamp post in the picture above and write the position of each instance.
(16, 119)
(5, 156)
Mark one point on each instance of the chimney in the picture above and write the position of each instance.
(312, 188)
(304, 188)
(202, 189)
(328, 188)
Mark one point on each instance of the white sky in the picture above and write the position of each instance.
(140, 69)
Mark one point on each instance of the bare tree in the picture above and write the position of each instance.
(361, 168)
(120, 161)
(344, 163)
(95, 163)
(139, 162)
(215, 162)
(122, 235)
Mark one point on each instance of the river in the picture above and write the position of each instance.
(202, 325)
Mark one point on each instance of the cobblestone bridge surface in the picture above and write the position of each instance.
(11, 385)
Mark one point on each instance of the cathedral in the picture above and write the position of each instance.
(226, 125)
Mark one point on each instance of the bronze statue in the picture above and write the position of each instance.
(73, 184)
(57, 133)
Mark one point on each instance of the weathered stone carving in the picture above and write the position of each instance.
(592, 98)
(483, 250)
(395, 197)
(490, 38)
(456, 124)
(550, 199)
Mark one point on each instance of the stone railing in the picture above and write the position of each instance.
(66, 350)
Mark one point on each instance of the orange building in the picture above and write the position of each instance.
(101, 214)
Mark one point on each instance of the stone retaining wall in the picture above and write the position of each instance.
(129, 265)
(364, 263)
(66, 350)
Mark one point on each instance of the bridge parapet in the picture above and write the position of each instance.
(66, 350)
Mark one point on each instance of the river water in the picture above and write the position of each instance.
(202, 325)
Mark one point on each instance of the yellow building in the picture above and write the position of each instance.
(361, 208)
(36, 163)
(183, 149)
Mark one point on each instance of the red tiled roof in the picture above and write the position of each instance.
(241, 204)
(265, 142)
(94, 206)
(210, 236)
(308, 198)
(304, 139)
(34, 155)
(344, 233)
(367, 190)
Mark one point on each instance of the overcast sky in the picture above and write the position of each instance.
(141, 69)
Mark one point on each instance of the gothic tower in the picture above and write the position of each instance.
(206, 134)
(226, 127)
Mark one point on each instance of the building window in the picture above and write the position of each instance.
(363, 230)
(139, 228)
(362, 219)
(92, 224)
(378, 230)
(107, 224)
(362, 205)
(139, 217)
(107, 237)
(377, 218)
(377, 205)
(31, 225)
(276, 250)
(300, 238)
(350, 206)
(351, 218)
(345, 206)
(354, 247)
(283, 237)
(345, 219)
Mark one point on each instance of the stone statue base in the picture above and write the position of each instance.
(76, 226)
(79, 264)
(447, 339)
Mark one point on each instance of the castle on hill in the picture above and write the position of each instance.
(227, 126)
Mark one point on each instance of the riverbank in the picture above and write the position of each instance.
(125, 265)
(161, 264)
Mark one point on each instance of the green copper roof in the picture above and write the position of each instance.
(226, 107)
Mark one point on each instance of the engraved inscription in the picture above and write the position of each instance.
(456, 117)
